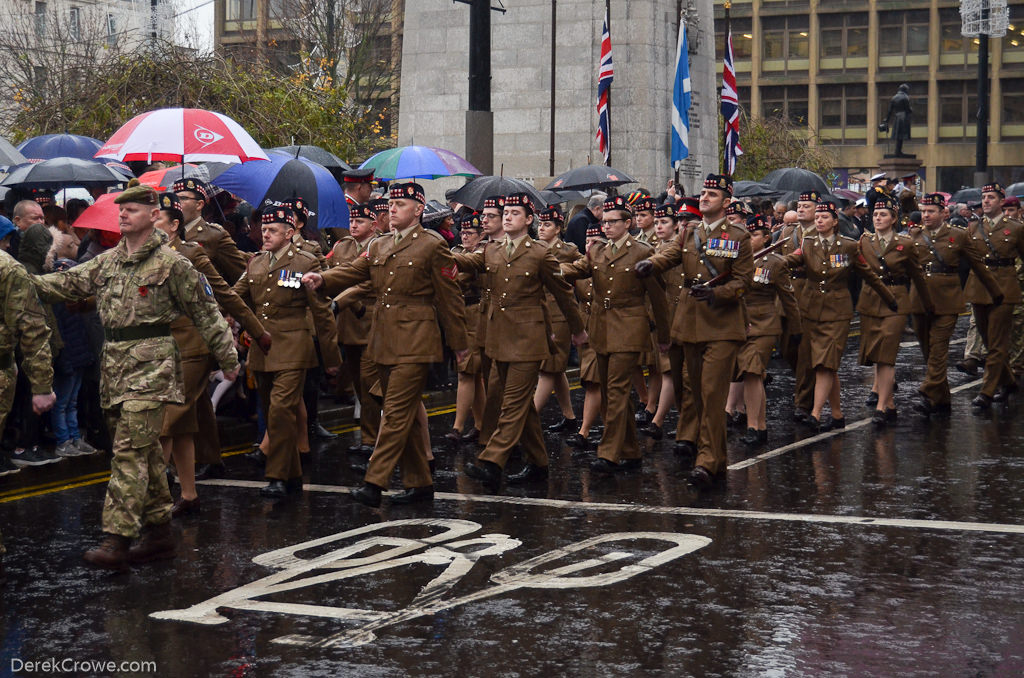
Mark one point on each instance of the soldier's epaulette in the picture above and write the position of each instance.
(643, 244)
(956, 227)
(847, 238)
(299, 252)
(189, 245)
(435, 234)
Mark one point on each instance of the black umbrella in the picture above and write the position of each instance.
(589, 176)
(758, 189)
(479, 189)
(795, 179)
(1016, 189)
(9, 155)
(318, 155)
(60, 172)
(966, 195)
(559, 197)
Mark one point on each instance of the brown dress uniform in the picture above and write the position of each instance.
(414, 280)
(771, 289)
(355, 316)
(794, 352)
(710, 334)
(826, 305)
(897, 265)
(559, 361)
(1003, 241)
(472, 295)
(940, 254)
(620, 332)
(196, 362)
(517, 338)
(283, 305)
(219, 247)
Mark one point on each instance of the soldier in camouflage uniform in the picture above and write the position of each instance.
(23, 319)
(141, 285)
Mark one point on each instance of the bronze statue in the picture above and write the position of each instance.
(899, 113)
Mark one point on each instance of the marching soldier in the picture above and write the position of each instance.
(826, 306)
(619, 329)
(643, 216)
(552, 370)
(642, 206)
(892, 258)
(180, 425)
(24, 322)
(771, 287)
(140, 286)
(355, 314)
(1003, 241)
(413, 275)
(272, 286)
(470, 394)
(709, 323)
(941, 248)
(518, 339)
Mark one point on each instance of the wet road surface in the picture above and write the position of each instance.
(861, 553)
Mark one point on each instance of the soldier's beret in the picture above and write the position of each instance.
(192, 184)
(934, 199)
(758, 223)
(379, 205)
(519, 200)
(360, 212)
(669, 209)
(551, 213)
(886, 202)
(617, 202)
(826, 207)
(471, 222)
(494, 202)
(1012, 201)
(994, 187)
(594, 231)
(358, 176)
(298, 206)
(721, 182)
(689, 208)
(739, 208)
(137, 192)
(279, 215)
(810, 196)
(644, 204)
(169, 201)
(408, 191)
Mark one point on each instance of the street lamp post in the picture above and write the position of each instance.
(983, 19)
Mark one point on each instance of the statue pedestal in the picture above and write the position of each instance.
(899, 166)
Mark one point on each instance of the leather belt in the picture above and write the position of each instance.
(798, 275)
(895, 280)
(405, 299)
(136, 332)
(608, 302)
(999, 261)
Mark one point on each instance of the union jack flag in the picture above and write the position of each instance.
(604, 83)
(730, 109)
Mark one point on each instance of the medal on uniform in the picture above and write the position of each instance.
(839, 260)
(296, 280)
(282, 277)
(723, 248)
(762, 275)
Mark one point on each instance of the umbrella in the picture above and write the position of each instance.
(419, 162)
(282, 178)
(847, 194)
(476, 191)
(967, 195)
(60, 172)
(795, 179)
(181, 134)
(318, 155)
(589, 176)
(9, 155)
(167, 176)
(60, 146)
(1016, 189)
(102, 215)
(559, 197)
(759, 189)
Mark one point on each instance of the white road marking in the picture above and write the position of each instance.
(771, 454)
(908, 344)
(866, 521)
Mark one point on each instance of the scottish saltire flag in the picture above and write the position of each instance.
(604, 84)
(681, 100)
(730, 109)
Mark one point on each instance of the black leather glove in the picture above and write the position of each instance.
(360, 311)
(703, 293)
(894, 306)
(644, 268)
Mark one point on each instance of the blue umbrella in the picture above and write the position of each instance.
(60, 146)
(270, 182)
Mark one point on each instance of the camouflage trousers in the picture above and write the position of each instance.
(137, 494)
(975, 347)
(8, 378)
(1017, 340)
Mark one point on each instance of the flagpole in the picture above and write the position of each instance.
(608, 16)
(725, 153)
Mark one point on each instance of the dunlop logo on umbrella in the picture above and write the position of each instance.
(205, 136)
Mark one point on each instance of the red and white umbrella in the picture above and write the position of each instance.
(182, 135)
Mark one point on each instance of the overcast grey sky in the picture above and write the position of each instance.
(194, 23)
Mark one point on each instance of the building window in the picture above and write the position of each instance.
(742, 37)
(1013, 107)
(75, 24)
(904, 32)
(240, 10)
(844, 112)
(958, 107)
(785, 37)
(785, 101)
(1013, 42)
(40, 15)
(844, 41)
(111, 30)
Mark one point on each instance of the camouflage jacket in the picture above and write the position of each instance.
(24, 320)
(151, 286)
